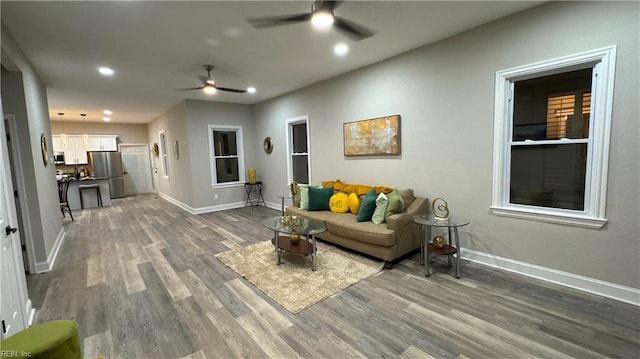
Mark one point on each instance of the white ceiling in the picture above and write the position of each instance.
(156, 47)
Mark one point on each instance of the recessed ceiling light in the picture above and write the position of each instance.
(251, 89)
(106, 119)
(107, 112)
(341, 49)
(106, 71)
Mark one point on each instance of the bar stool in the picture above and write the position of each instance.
(83, 187)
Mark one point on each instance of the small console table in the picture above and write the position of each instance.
(254, 194)
(426, 247)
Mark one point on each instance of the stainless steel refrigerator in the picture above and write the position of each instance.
(108, 165)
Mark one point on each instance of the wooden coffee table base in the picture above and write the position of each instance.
(304, 247)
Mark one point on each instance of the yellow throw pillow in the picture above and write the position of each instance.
(339, 203)
(354, 203)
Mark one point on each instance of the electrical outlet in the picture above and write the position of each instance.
(215, 196)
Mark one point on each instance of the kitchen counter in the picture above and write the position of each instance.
(88, 196)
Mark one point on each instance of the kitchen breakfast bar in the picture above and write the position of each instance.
(89, 197)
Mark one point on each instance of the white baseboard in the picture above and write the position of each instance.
(42, 267)
(591, 285)
(31, 312)
(201, 210)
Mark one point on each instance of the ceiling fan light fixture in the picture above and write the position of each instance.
(251, 89)
(322, 19)
(209, 89)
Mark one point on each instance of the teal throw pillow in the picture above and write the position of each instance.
(319, 198)
(381, 208)
(367, 207)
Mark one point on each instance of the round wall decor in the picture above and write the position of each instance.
(45, 151)
(268, 145)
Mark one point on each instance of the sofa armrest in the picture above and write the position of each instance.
(420, 206)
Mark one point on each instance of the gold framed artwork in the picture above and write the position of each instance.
(374, 137)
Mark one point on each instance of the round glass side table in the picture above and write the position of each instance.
(452, 224)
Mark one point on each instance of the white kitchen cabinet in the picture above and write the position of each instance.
(75, 153)
(103, 143)
(57, 143)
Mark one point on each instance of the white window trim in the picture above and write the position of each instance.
(164, 156)
(289, 136)
(212, 158)
(597, 166)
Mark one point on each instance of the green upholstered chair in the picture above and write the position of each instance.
(58, 339)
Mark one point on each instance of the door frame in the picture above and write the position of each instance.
(18, 178)
(147, 159)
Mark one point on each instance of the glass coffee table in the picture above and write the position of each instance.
(453, 247)
(306, 233)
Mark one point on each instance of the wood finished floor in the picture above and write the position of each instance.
(141, 280)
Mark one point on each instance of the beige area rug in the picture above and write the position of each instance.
(293, 284)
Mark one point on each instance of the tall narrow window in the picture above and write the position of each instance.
(163, 154)
(550, 140)
(226, 152)
(298, 150)
(552, 124)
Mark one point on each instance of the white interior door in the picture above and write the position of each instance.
(13, 284)
(137, 168)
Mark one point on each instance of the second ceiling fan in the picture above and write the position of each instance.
(209, 85)
(321, 15)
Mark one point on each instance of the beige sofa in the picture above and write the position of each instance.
(387, 241)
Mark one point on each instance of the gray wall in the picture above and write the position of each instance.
(201, 114)
(444, 93)
(190, 175)
(24, 95)
(174, 123)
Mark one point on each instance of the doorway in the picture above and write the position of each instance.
(137, 168)
(15, 307)
(19, 194)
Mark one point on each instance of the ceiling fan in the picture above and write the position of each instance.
(209, 85)
(321, 16)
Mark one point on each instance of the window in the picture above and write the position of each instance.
(163, 154)
(226, 152)
(298, 150)
(551, 141)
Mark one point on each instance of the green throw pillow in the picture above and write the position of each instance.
(319, 198)
(396, 204)
(367, 207)
(381, 208)
(304, 196)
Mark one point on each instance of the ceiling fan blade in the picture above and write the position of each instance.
(357, 32)
(262, 22)
(229, 89)
(191, 88)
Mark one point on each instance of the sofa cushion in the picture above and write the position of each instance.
(407, 197)
(321, 216)
(303, 192)
(381, 209)
(367, 207)
(339, 203)
(346, 225)
(354, 203)
(319, 198)
(395, 205)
